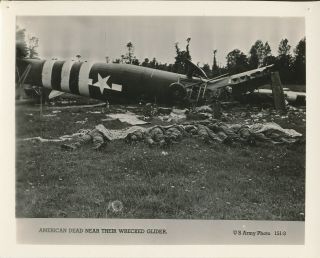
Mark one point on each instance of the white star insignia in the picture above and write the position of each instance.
(102, 83)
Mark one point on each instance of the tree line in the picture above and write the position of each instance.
(292, 68)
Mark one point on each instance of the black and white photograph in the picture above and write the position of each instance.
(152, 117)
(156, 129)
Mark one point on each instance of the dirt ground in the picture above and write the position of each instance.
(187, 180)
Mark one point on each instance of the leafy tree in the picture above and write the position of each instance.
(299, 63)
(154, 63)
(206, 69)
(122, 58)
(214, 66)
(145, 62)
(135, 61)
(268, 58)
(170, 67)
(284, 48)
(180, 65)
(256, 54)
(237, 61)
(78, 57)
(129, 55)
(163, 67)
(284, 61)
(21, 45)
(32, 46)
(188, 56)
(260, 55)
(216, 70)
(266, 50)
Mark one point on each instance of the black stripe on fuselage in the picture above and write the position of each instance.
(74, 78)
(56, 75)
(34, 76)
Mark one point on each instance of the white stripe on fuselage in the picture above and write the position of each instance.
(65, 76)
(47, 73)
(116, 87)
(84, 79)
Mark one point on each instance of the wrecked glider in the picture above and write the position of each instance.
(126, 82)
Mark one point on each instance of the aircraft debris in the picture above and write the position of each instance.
(49, 115)
(164, 110)
(203, 109)
(150, 110)
(54, 94)
(277, 91)
(94, 112)
(176, 115)
(128, 117)
(75, 106)
(292, 97)
(82, 122)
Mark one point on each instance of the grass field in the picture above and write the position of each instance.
(188, 180)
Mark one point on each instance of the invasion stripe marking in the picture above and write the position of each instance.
(65, 76)
(84, 79)
(46, 73)
(74, 77)
(56, 75)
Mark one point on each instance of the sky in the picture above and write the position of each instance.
(95, 37)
